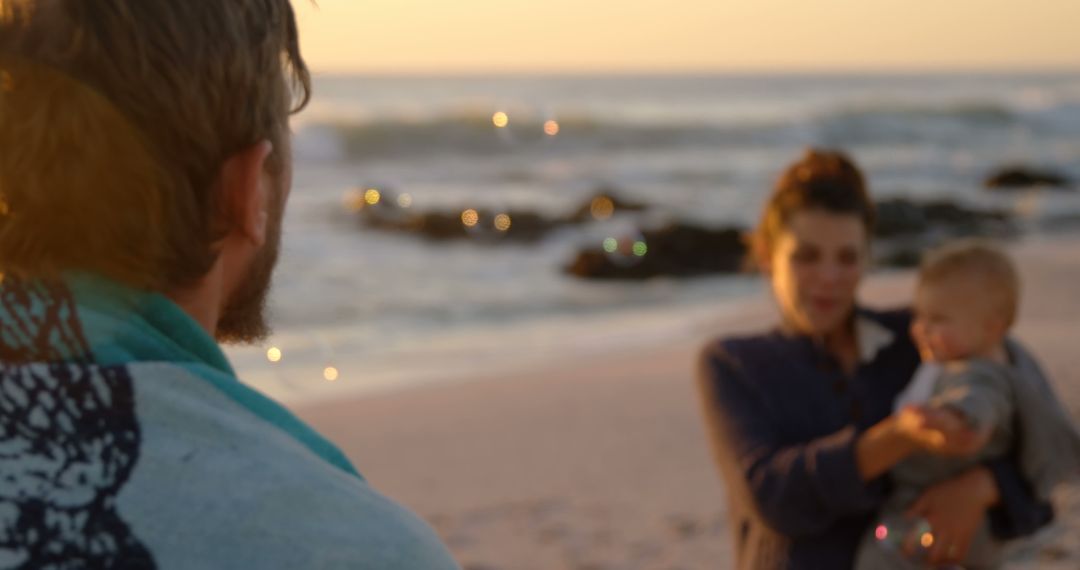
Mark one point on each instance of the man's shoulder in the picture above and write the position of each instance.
(254, 493)
(350, 526)
(172, 472)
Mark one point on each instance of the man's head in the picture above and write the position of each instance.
(147, 140)
(965, 302)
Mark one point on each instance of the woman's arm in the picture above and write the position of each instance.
(1023, 507)
(1017, 511)
(884, 445)
(799, 489)
(957, 507)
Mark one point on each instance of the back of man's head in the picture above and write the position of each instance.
(116, 117)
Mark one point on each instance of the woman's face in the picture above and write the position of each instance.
(815, 268)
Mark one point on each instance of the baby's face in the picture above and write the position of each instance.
(953, 321)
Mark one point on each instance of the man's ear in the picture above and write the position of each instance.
(247, 193)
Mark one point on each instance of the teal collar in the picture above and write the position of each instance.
(123, 326)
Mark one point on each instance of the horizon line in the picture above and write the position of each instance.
(700, 72)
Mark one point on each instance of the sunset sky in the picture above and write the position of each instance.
(450, 36)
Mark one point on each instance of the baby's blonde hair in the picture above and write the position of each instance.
(987, 265)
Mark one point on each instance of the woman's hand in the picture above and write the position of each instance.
(955, 509)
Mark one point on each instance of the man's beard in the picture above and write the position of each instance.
(244, 318)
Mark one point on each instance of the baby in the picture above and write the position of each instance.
(965, 303)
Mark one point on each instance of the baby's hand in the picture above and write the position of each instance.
(912, 423)
(946, 420)
(961, 438)
(940, 431)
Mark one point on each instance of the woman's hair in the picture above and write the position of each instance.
(821, 180)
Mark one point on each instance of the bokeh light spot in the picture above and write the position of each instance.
(926, 540)
(470, 218)
(881, 532)
(331, 374)
(372, 196)
(503, 222)
(611, 245)
(602, 208)
(274, 354)
(500, 119)
(551, 128)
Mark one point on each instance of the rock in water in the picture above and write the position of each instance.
(1021, 177)
(677, 250)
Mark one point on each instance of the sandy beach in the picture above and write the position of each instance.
(602, 463)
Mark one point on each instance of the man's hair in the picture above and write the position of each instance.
(820, 180)
(116, 117)
(987, 268)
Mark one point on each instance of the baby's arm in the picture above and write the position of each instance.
(976, 392)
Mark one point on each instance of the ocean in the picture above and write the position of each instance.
(357, 310)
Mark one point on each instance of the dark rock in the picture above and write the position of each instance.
(384, 214)
(489, 226)
(898, 217)
(906, 228)
(1062, 221)
(678, 250)
(529, 226)
(387, 214)
(439, 226)
(902, 256)
(1020, 177)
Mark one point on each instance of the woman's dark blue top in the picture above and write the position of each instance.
(784, 418)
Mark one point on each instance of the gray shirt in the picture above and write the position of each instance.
(982, 392)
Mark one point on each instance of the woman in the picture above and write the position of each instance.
(800, 417)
